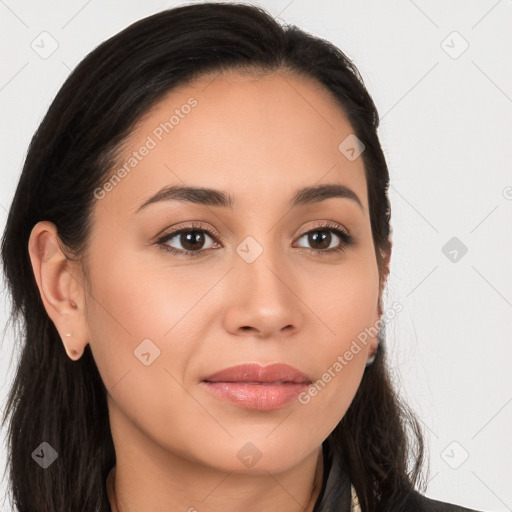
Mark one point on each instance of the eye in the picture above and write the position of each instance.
(322, 240)
(193, 240)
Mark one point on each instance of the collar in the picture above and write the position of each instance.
(354, 504)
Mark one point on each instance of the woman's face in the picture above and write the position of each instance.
(258, 288)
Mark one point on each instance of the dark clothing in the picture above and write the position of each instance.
(419, 502)
(335, 495)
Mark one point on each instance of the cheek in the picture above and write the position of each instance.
(147, 318)
(346, 299)
(143, 323)
(136, 312)
(347, 307)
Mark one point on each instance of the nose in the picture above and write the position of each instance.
(264, 298)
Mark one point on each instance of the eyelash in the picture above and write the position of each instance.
(346, 240)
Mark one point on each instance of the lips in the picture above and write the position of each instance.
(251, 373)
(252, 386)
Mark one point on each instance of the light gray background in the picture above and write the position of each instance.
(446, 132)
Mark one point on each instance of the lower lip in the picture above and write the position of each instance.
(262, 397)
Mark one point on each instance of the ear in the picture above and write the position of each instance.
(384, 273)
(62, 294)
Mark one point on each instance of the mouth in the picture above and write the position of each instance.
(252, 386)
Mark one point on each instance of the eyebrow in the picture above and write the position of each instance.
(211, 197)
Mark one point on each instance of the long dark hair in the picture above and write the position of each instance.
(62, 402)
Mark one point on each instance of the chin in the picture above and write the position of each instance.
(259, 456)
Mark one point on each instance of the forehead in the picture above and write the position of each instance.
(249, 135)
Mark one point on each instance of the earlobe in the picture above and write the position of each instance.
(375, 346)
(60, 291)
(70, 346)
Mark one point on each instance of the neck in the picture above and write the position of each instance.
(228, 500)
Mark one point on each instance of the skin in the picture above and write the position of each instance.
(258, 139)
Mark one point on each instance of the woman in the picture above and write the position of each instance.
(197, 251)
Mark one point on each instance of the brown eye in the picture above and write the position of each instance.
(320, 239)
(188, 240)
(192, 240)
(327, 239)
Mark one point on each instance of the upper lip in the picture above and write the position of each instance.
(253, 372)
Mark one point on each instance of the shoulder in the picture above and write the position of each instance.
(417, 501)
